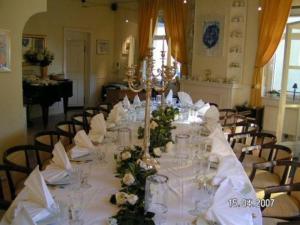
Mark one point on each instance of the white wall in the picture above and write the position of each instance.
(217, 64)
(13, 16)
(122, 31)
(69, 14)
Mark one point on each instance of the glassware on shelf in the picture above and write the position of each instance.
(156, 197)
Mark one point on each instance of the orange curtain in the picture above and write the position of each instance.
(273, 19)
(148, 9)
(175, 15)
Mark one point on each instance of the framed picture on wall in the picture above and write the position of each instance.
(102, 47)
(211, 36)
(33, 42)
(5, 61)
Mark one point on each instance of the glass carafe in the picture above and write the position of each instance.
(156, 197)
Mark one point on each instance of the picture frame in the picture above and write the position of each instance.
(211, 36)
(102, 47)
(5, 51)
(35, 42)
(126, 45)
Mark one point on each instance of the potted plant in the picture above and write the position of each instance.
(42, 58)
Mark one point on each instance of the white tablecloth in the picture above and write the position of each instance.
(103, 180)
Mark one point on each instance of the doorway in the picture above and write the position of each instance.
(290, 75)
(77, 64)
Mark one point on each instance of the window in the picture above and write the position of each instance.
(160, 43)
(294, 62)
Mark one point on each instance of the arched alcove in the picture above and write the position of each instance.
(13, 16)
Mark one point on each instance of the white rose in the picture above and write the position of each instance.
(153, 125)
(112, 221)
(125, 155)
(169, 146)
(121, 198)
(128, 179)
(143, 165)
(157, 151)
(132, 199)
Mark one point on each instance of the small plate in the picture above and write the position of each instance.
(64, 181)
(85, 158)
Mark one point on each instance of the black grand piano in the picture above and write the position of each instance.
(46, 95)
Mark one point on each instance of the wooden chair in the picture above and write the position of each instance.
(83, 119)
(253, 153)
(272, 173)
(92, 111)
(267, 153)
(47, 139)
(9, 185)
(286, 202)
(69, 129)
(27, 157)
(227, 116)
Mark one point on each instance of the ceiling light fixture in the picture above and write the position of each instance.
(126, 21)
(184, 1)
(259, 8)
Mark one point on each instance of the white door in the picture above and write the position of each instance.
(291, 75)
(75, 70)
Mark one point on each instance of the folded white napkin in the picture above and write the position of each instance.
(212, 113)
(203, 109)
(38, 191)
(98, 128)
(136, 100)
(98, 124)
(169, 97)
(220, 146)
(60, 157)
(222, 209)
(35, 198)
(61, 165)
(83, 145)
(199, 104)
(126, 102)
(116, 113)
(185, 98)
(23, 218)
(82, 140)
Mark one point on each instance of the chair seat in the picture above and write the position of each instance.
(271, 221)
(283, 206)
(250, 159)
(265, 179)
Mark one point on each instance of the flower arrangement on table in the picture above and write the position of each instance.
(160, 130)
(133, 172)
(40, 58)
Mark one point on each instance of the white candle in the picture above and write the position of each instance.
(144, 68)
(169, 52)
(131, 53)
(150, 35)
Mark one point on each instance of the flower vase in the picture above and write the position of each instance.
(44, 72)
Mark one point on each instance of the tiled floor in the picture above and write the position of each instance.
(37, 123)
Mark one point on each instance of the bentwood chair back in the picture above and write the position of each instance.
(11, 183)
(69, 129)
(27, 156)
(83, 119)
(48, 139)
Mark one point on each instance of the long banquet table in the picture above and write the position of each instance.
(104, 184)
